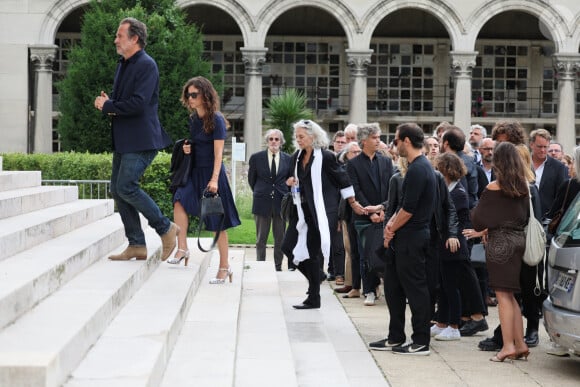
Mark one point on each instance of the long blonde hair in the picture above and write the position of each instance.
(524, 153)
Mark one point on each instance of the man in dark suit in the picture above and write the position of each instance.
(550, 173)
(370, 173)
(267, 177)
(137, 137)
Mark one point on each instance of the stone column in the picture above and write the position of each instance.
(567, 66)
(358, 61)
(42, 57)
(462, 63)
(254, 59)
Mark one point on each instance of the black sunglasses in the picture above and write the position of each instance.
(191, 95)
(273, 139)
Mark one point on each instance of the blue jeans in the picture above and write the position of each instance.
(131, 199)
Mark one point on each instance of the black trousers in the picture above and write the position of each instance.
(310, 268)
(406, 279)
(531, 302)
(336, 261)
(354, 256)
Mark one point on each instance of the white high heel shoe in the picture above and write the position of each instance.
(177, 260)
(220, 281)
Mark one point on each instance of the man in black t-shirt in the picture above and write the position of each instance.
(408, 232)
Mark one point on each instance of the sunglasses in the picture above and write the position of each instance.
(395, 141)
(191, 95)
(273, 139)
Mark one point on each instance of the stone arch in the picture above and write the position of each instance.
(233, 8)
(338, 9)
(54, 17)
(442, 11)
(539, 8)
(576, 33)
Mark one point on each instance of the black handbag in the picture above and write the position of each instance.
(210, 205)
(287, 207)
(375, 253)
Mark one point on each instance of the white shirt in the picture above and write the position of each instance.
(539, 172)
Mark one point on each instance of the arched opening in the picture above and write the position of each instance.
(306, 51)
(67, 36)
(514, 76)
(409, 78)
(222, 39)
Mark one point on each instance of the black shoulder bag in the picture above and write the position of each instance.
(210, 205)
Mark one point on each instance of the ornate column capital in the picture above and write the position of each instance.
(462, 63)
(42, 56)
(358, 61)
(567, 65)
(254, 58)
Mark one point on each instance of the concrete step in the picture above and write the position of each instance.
(28, 277)
(145, 331)
(47, 343)
(205, 352)
(24, 200)
(13, 180)
(326, 346)
(264, 353)
(25, 231)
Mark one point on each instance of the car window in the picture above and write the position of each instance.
(568, 233)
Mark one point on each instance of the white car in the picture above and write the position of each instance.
(562, 307)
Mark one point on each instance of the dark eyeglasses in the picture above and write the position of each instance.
(273, 139)
(395, 141)
(191, 95)
(304, 123)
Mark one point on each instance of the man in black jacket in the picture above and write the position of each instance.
(267, 177)
(369, 173)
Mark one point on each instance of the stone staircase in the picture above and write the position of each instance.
(69, 317)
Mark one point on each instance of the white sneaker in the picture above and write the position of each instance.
(370, 300)
(448, 334)
(435, 330)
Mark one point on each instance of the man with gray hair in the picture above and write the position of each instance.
(370, 173)
(476, 134)
(267, 178)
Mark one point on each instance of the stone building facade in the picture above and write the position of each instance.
(389, 61)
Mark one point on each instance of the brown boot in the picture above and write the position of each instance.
(168, 240)
(138, 252)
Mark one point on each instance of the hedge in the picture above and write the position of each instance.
(88, 166)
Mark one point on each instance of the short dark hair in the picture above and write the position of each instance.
(454, 137)
(137, 28)
(413, 132)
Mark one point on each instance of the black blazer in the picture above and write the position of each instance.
(555, 173)
(334, 178)
(133, 106)
(268, 191)
(367, 191)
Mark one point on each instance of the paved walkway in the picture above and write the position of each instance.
(457, 363)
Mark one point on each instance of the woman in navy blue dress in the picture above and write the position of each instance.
(207, 132)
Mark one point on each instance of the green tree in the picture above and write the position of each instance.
(176, 46)
(286, 109)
